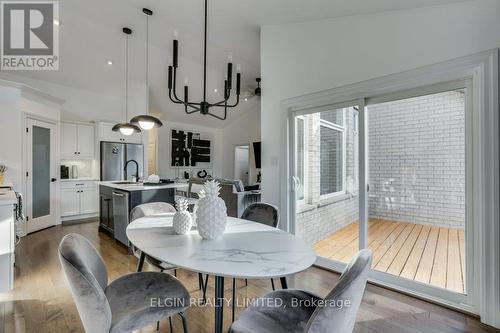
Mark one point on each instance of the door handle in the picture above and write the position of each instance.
(118, 194)
(53, 179)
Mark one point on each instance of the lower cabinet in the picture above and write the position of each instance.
(78, 200)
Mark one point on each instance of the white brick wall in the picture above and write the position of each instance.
(417, 160)
(416, 167)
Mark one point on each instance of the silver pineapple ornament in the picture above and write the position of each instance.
(182, 221)
(211, 214)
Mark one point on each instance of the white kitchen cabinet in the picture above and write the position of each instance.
(107, 134)
(77, 141)
(88, 200)
(79, 199)
(70, 198)
(69, 147)
(7, 241)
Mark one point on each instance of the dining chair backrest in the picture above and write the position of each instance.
(262, 213)
(151, 208)
(338, 315)
(88, 278)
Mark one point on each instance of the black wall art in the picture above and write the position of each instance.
(189, 149)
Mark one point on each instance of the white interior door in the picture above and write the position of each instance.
(41, 174)
(242, 163)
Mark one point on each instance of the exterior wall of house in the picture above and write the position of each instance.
(319, 217)
(416, 167)
(417, 160)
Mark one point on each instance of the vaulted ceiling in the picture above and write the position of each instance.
(90, 34)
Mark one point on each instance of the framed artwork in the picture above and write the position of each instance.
(190, 149)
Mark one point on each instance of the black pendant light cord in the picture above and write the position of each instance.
(146, 121)
(205, 56)
(147, 64)
(204, 106)
(126, 77)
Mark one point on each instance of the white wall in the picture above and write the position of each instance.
(313, 56)
(244, 130)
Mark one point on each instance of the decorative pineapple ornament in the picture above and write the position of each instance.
(182, 221)
(211, 214)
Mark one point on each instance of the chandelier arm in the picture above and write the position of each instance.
(173, 100)
(191, 111)
(228, 105)
(174, 86)
(219, 117)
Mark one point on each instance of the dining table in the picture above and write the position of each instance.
(246, 250)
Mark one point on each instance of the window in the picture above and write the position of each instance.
(332, 152)
(301, 157)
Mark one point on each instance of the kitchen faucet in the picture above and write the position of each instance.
(136, 170)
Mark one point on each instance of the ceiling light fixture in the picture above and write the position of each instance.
(109, 62)
(146, 121)
(203, 107)
(56, 22)
(126, 128)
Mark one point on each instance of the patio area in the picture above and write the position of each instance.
(423, 253)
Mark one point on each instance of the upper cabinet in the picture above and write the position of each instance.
(107, 134)
(77, 141)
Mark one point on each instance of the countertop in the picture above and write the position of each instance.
(140, 187)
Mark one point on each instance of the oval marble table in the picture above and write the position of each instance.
(247, 250)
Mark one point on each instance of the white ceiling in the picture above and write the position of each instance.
(90, 34)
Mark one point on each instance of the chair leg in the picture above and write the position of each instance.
(158, 326)
(184, 322)
(233, 300)
(272, 284)
(200, 281)
(170, 323)
(175, 272)
(205, 287)
(140, 263)
(246, 282)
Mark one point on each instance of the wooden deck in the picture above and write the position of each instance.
(418, 252)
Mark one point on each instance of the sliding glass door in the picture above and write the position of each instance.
(389, 173)
(326, 181)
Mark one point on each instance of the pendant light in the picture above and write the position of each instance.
(146, 121)
(126, 128)
(204, 107)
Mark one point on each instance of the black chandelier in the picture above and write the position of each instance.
(203, 107)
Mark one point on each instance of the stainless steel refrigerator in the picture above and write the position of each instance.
(115, 155)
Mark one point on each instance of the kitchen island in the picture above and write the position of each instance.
(117, 199)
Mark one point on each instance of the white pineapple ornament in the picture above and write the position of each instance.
(182, 221)
(211, 214)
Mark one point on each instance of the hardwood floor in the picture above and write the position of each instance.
(417, 252)
(42, 302)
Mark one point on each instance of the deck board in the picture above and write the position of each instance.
(418, 252)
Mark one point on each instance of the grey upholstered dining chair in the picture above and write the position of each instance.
(151, 209)
(264, 213)
(298, 311)
(125, 304)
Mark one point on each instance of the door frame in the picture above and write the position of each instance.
(482, 70)
(25, 165)
(249, 161)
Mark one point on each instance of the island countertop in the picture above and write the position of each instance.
(142, 187)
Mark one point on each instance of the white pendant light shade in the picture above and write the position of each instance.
(146, 125)
(126, 129)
